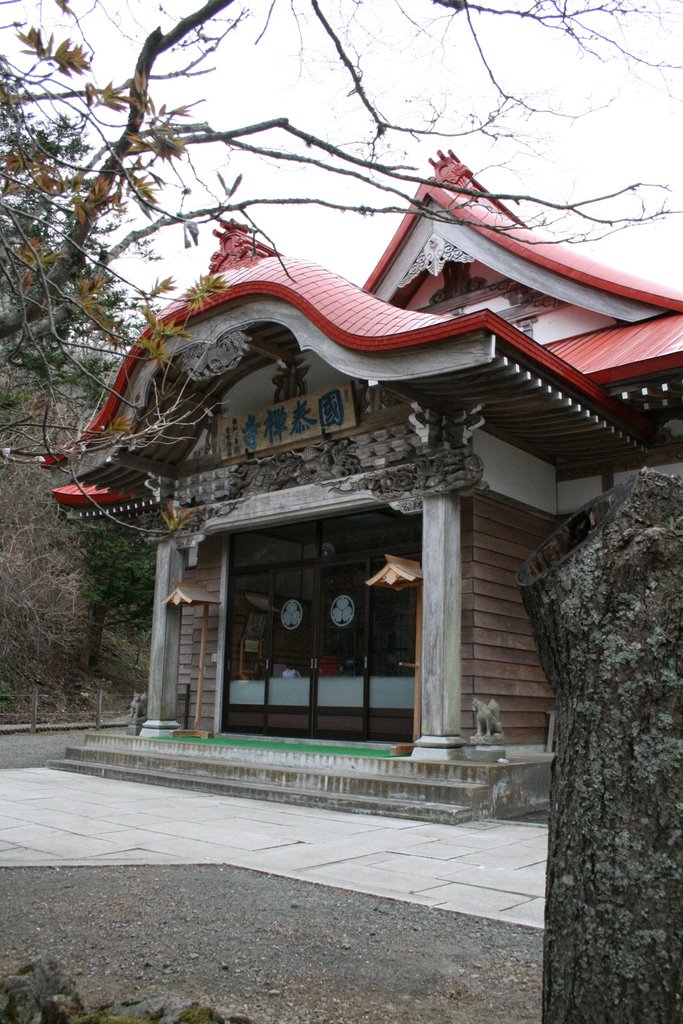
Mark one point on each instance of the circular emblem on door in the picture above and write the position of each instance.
(343, 610)
(291, 615)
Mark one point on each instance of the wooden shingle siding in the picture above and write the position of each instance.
(208, 574)
(499, 653)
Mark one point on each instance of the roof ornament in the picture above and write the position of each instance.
(451, 170)
(238, 247)
(437, 251)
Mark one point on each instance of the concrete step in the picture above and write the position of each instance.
(416, 810)
(424, 790)
(341, 778)
(343, 775)
(466, 771)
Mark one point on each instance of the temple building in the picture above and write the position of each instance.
(482, 386)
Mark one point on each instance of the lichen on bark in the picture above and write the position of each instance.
(604, 598)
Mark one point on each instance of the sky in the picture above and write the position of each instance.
(412, 63)
(634, 133)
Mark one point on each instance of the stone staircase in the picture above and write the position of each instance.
(398, 787)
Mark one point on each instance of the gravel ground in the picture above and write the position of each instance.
(34, 750)
(264, 949)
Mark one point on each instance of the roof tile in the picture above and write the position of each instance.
(613, 347)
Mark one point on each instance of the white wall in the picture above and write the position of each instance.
(572, 494)
(257, 390)
(567, 321)
(516, 474)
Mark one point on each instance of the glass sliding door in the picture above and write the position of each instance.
(289, 675)
(271, 652)
(312, 650)
(342, 651)
(250, 636)
(392, 662)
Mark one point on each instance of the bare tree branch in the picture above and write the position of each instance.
(66, 219)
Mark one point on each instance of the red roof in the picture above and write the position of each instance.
(620, 353)
(492, 219)
(352, 318)
(348, 315)
(363, 322)
(88, 494)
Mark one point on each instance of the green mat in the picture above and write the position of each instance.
(299, 748)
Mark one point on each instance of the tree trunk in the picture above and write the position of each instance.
(91, 647)
(604, 598)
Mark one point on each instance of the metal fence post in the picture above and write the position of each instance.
(34, 708)
(98, 713)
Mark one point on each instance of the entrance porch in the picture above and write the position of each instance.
(260, 566)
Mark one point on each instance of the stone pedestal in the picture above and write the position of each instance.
(165, 647)
(440, 738)
(437, 748)
(484, 752)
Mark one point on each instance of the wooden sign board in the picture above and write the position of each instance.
(298, 421)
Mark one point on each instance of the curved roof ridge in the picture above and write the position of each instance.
(491, 218)
(348, 307)
(562, 259)
(348, 315)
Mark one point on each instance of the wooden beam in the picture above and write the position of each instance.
(271, 351)
(149, 466)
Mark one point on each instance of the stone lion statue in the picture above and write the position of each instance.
(488, 722)
(138, 707)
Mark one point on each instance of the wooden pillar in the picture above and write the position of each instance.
(165, 647)
(440, 737)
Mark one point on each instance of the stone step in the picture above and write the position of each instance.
(343, 779)
(431, 791)
(466, 771)
(416, 810)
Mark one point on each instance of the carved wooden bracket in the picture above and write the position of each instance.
(435, 254)
(203, 361)
(435, 472)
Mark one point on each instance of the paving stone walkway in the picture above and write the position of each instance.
(485, 868)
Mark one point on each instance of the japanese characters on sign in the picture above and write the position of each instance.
(288, 424)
